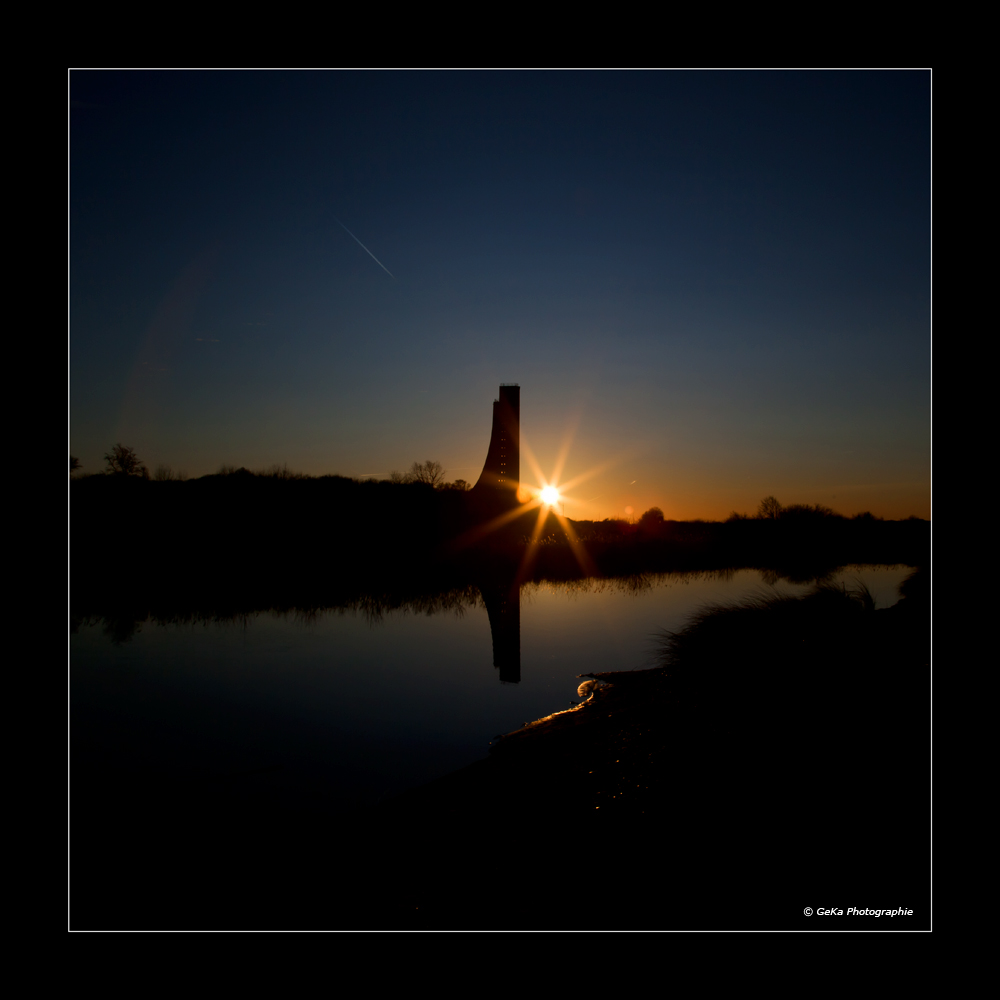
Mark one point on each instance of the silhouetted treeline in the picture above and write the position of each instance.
(800, 545)
(243, 538)
(245, 541)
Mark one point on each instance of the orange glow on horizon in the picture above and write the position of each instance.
(547, 497)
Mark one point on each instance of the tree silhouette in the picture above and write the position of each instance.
(769, 509)
(123, 461)
(74, 464)
(429, 472)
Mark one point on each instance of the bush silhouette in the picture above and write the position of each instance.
(651, 523)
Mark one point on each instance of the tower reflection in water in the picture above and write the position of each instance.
(503, 605)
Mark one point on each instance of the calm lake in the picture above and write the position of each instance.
(340, 708)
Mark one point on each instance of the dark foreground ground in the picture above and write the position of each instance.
(779, 759)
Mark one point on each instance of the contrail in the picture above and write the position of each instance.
(366, 250)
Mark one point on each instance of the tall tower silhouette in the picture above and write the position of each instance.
(495, 493)
(503, 607)
(502, 471)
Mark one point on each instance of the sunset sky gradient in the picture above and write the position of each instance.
(717, 284)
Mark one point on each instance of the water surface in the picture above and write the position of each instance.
(332, 709)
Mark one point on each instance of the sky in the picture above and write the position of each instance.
(710, 286)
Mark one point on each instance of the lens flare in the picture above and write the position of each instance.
(549, 499)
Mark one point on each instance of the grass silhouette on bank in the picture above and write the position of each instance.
(779, 753)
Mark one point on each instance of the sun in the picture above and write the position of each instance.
(550, 496)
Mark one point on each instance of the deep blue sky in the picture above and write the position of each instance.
(720, 280)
